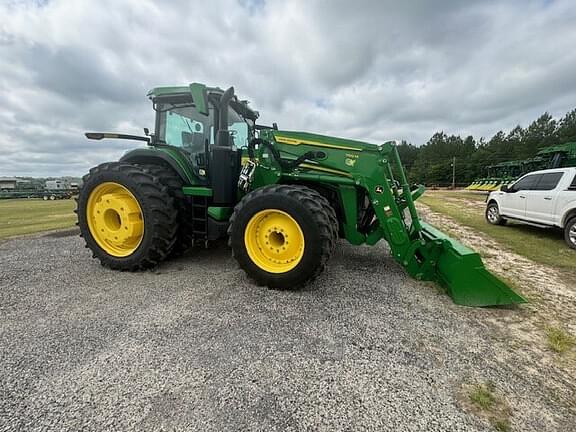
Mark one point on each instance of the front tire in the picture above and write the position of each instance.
(127, 218)
(283, 235)
(493, 214)
(570, 233)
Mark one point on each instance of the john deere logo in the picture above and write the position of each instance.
(350, 162)
(378, 189)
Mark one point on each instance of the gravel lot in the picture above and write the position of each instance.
(196, 346)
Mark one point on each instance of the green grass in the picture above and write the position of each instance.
(482, 395)
(545, 246)
(493, 407)
(27, 216)
(558, 340)
(502, 425)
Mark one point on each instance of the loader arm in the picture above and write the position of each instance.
(355, 170)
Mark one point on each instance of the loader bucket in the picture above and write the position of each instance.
(461, 271)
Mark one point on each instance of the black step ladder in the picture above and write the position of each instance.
(199, 206)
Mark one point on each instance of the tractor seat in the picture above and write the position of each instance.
(193, 142)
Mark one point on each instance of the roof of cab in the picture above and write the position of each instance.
(238, 105)
(177, 90)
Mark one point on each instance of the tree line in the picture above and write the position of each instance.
(431, 163)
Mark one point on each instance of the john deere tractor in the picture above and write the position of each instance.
(282, 198)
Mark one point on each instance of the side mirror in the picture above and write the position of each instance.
(504, 188)
(146, 131)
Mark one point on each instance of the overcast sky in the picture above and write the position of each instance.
(371, 70)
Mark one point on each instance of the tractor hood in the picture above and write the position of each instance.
(297, 138)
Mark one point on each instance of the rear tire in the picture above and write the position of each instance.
(167, 177)
(149, 208)
(260, 241)
(493, 214)
(570, 233)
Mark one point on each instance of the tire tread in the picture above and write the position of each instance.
(324, 218)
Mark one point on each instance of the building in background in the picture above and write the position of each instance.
(57, 185)
(8, 183)
(13, 183)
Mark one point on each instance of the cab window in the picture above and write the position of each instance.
(184, 126)
(238, 128)
(573, 184)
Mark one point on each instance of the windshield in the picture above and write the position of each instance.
(183, 126)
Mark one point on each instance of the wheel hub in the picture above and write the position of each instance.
(493, 214)
(274, 241)
(115, 219)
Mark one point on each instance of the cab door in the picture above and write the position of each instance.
(513, 202)
(541, 201)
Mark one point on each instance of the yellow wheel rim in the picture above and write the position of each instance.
(115, 219)
(274, 241)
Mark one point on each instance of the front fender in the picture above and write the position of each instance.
(492, 197)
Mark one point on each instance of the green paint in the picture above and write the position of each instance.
(353, 166)
(197, 191)
(220, 213)
(348, 197)
(309, 139)
(200, 97)
(461, 271)
(182, 162)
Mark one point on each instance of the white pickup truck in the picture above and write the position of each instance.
(544, 198)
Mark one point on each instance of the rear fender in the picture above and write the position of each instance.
(159, 157)
(568, 214)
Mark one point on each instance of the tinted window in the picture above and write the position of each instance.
(183, 126)
(549, 181)
(573, 184)
(527, 183)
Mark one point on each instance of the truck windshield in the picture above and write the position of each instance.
(183, 126)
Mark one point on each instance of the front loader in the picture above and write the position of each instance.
(282, 198)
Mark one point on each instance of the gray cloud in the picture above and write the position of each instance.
(370, 70)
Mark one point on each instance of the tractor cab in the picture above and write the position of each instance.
(208, 126)
(199, 134)
(182, 122)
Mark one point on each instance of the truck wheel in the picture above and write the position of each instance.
(570, 233)
(127, 218)
(283, 235)
(167, 177)
(493, 214)
(45, 197)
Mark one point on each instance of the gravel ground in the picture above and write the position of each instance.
(196, 346)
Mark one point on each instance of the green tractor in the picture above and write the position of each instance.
(282, 198)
